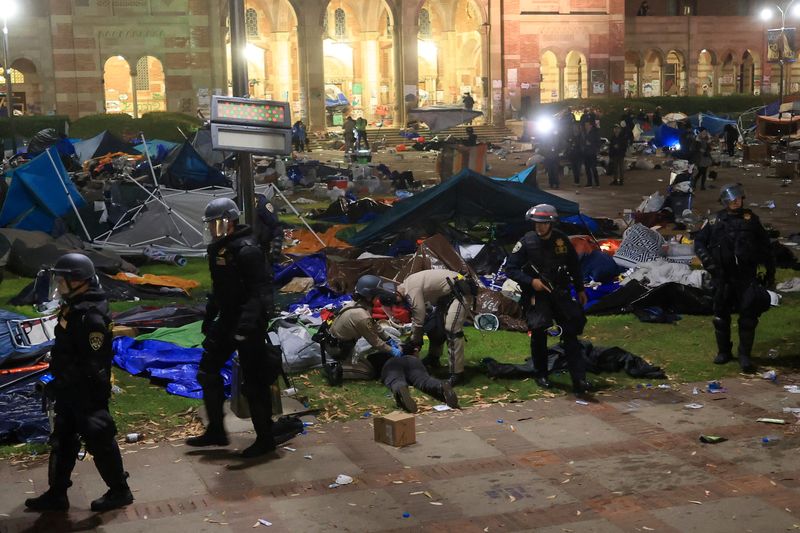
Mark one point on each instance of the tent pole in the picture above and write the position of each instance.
(170, 211)
(69, 197)
(303, 220)
(149, 161)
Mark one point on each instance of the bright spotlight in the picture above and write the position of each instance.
(253, 52)
(8, 8)
(766, 14)
(544, 125)
(796, 10)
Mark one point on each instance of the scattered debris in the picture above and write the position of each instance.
(693, 406)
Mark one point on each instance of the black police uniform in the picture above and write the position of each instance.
(239, 305)
(81, 387)
(731, 247)
(268, 232)
(557, 264)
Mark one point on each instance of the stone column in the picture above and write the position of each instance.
(448, 59)
(312, 65)
(370, 72)
(280, 75)
(495, 71)
(409, 57)
(562, 73)
(134, 93)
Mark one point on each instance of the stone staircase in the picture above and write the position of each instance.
(485, 133)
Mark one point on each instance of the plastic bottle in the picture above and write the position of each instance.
(770, 440)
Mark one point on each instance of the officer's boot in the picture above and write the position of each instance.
(108, 462)
(576, 365)
(214, 400)
(63, 454)
(261, 415)
(747, 336)
(439, 389)
(722, 331)
(540, 356)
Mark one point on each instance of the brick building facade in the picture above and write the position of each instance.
(381, 57)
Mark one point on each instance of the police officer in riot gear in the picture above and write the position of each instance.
(452, 294)
(81, 388)
(544, 263)
(237, 312)
(396, 370)
(731, 246)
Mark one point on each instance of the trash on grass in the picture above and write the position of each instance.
(693, 406)
(442, 407)
(771, 420)
(712, 439)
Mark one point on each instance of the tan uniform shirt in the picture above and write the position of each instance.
(426, 286)
(356, 321)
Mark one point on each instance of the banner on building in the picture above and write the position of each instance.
(598, 81)
(781, 45)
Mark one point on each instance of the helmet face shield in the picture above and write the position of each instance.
(731, 193)
(50, 286)
(215, 229)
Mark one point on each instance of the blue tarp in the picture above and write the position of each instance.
(714, 124)
(165, 361)
(11, 351)
(157, 148)
(309, 266)
(582, 221)
(184, 168)
(21, 416)
(319, 297)
(519, 177)
(36, 197)
(666, 136)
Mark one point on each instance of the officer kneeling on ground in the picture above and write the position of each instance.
(237, 312)
(81, 387)
(544, 263)
(731, 246)
(396, 371)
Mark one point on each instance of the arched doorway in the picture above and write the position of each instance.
(633, 63)
(652, 82)
(151, 88)
(430, 37)
(727, 75)
(674, 75)
(26, 87)
(118, 86)
(272, 52)
(470, 59)
(750, 74)
(706, 82)
(549, 87)
(576, 76)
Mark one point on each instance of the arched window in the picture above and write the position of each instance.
(340, 21)
(425, 24)
(142, 80)
(251, 22)
(388, 25)
(325, 26)
(16, 76)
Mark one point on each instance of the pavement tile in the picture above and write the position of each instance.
(500, 492)
(598, 525)
(727, 515)
(773, 401)
(195, 522)
(566, 431)
(640, 472)
(752, 455)
(676, 418)
(357, 511)
(443, 447)
(328, 462)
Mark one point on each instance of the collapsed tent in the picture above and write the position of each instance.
(713, 123)
(202, 143)
(467, 197)
(100, 145)
(185, 168)
(155, 146)
(21, 416)
(773, 128)
(527, 177)
(23, 338)
(440, 118)
(41, 193)
(666, 136)
(597, 360)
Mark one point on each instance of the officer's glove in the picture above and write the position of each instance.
(393, 343)
(396, 352)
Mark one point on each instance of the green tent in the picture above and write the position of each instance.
(466, 197)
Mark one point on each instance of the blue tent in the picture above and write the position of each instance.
(38, 194)
(184, 168)
(666, 136)
(100, 145)
(467, 196)
(520, 177)
(157, 148)
(714, 124)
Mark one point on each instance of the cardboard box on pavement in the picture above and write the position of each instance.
(124, 331)
(396, 429)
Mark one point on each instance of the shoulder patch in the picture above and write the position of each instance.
(748, 216)
(96, 340)
(270, 207)
(517, 247)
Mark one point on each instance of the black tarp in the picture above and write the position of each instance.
(21, 416)
(671, 297)
(159, 317)
(598, 360)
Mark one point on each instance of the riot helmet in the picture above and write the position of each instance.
(731, 192)
(53, 283)
(370, 287)
(544, 213)
(218, 214)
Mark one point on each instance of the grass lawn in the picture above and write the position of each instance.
(685, 350)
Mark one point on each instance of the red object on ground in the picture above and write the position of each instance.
(39, 366)
(400, 313)
(400, 147)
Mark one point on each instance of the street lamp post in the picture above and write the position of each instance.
(7, 9)
(766, 14)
